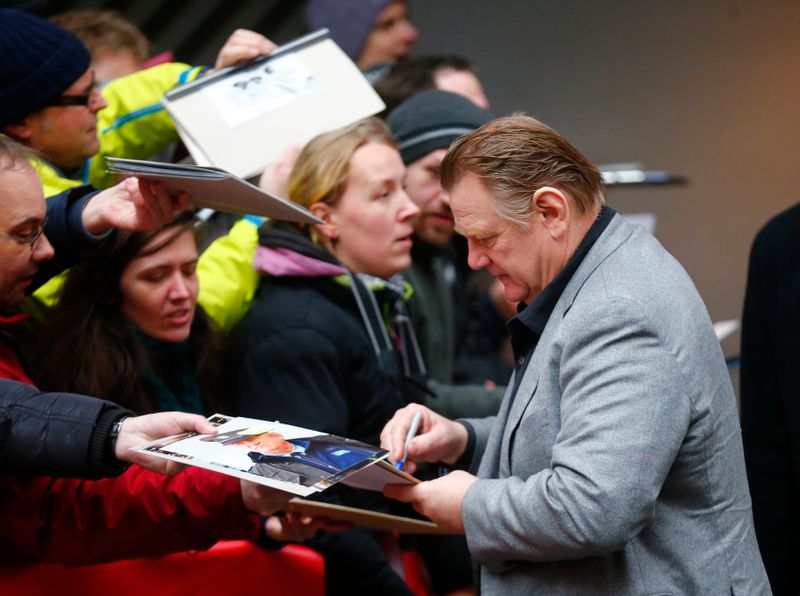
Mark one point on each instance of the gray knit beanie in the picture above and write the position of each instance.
(38, 61)
(349, 21)
(433, 120)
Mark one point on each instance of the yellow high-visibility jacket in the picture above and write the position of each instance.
(133, 125)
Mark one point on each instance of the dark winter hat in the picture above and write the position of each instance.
(432, 120)
(38, 61)
(349, 21)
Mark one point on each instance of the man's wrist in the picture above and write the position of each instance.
(464, 458)
(113, 439)
(92, 219)
(102, 456)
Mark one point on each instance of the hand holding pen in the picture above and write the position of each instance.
(412, 432)
(416, 433)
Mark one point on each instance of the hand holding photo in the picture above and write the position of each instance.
(290, 458)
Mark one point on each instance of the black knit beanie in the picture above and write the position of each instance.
(433, 120)
(38, 61)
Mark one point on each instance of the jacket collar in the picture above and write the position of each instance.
(615, 234)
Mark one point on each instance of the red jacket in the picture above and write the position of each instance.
(139, 513)
(10, 366)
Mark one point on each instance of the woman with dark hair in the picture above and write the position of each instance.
(127, 326)
(327, 343)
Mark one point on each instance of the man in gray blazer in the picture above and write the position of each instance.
(614, 465)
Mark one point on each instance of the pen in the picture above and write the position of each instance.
(412, 431)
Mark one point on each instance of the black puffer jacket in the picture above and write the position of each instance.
(58, 434)
(314, 353)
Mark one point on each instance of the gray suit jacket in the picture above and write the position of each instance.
(618, 466)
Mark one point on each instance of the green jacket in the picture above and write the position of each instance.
(433, 314)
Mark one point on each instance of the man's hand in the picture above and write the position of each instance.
(294, 527)
(241, 46)
(263, 499)
(274, 177)
(438, 440)
(133, 204)
(440, 499)
(138, 430)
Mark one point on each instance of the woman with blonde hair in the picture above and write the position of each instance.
(327, 343)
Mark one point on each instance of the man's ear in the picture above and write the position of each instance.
(553, 208)
(19, 131)
(325, 212)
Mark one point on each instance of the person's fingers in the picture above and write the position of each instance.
(245, 37)
(243, 45)
(251, 39)
(410, 467)
(142, 198)
(388, 433)
(154, 464)
(200, 425)
(397, 438)
(162, 202)
(133, 187)
(172, 467)
(298, 527)
(182, 201)
(400, 492)
(424, 447)
(275, 528)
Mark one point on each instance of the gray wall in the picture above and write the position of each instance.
(709, 90)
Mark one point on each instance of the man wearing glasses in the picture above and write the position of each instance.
(75, 221)
(49, 100)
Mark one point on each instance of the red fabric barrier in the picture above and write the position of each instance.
(230, 567)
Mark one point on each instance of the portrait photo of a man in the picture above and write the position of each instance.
(305, 461)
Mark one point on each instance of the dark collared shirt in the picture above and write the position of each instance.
(527, 326)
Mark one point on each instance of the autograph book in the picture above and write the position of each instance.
(242, 117)
(214, 188)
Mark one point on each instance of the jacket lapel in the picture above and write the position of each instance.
(615, 234)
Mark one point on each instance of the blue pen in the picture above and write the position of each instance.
(412, 431)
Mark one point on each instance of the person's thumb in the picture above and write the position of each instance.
(423, 447)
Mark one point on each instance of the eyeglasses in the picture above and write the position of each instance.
(30, 238)
(84, 99)
(70, 100)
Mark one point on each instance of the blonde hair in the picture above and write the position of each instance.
(320, 173)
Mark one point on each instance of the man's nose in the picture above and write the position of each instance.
(476, 259)
(42, 249)
(97, 102)
(409, 33)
